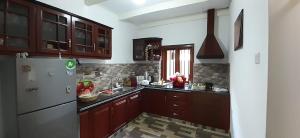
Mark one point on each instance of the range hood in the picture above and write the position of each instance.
(210, 48)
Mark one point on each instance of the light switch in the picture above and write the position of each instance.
(257, 58)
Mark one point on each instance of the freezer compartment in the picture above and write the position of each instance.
(43, 83)
(56, 122)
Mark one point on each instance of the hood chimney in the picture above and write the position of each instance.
(210, 48)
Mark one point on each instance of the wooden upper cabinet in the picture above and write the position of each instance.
(82, 34)
(17, 26)
(147, 49)
(103, 41)
(54, 31)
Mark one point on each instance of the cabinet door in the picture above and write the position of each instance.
(139, 49)
(17, 26)
(119, 113)
(134, 106)
(101, 121)
(103, 41)
(211, 110)
(85, 126)
(54, 31)
(82, 34)
(154, 101)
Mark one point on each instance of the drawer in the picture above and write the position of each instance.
(176, 104)
(177, 97)
(177, 113)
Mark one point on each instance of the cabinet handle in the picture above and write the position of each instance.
(175, 114)
(134, 97)
(175, 105)
(94, 46)
(175, 96)
(70, 43)
(121, 102)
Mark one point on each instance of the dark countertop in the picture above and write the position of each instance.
(186, 90)
(81, 107)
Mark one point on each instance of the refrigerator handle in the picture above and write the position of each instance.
(34, 89)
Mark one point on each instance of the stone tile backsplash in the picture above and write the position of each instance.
(102, 73)
(217, 74)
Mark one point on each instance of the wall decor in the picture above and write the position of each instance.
(238, 31)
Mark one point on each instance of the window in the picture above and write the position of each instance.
(178, 58)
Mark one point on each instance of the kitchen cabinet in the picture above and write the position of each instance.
(118, 113)
(103, 41)
(82, 36)
(134, 106)
(54, 31)
(211, 109)
(154, 102)
(85, 127)
(178, 105)
(101, 121)
(91, 40)
(43, 30)
(146, 49)
(17, 22)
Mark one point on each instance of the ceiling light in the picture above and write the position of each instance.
(139, 2)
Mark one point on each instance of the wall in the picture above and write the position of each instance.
(284, 69)
(123, 32)
(248, 81)
(188, 30)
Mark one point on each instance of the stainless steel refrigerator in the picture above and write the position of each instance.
(38, 98)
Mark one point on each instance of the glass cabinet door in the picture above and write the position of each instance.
(55, 31)
(103, 41)
(83, 42)
(15, 25)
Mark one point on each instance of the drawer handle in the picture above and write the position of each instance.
(70, 43)
(134, 97)
(121, 102)
(175, 114)
(175, 105)
(175, 96)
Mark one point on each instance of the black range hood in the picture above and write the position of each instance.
(210, 48)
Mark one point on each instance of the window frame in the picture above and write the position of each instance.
(177, 48)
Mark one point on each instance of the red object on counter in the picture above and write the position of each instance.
(178, 81)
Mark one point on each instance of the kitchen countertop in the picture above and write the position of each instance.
(81, 107)
(186, 90)
(104, 99)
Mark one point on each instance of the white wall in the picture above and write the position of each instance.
(189, 30)
(248, 81)
(284, 69)
(123, 32)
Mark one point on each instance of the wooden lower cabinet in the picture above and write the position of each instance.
(203, 108)
(85, 127)
(154, 102)
(211, 109)
(119, 113)
(134, 106)
(101, 121)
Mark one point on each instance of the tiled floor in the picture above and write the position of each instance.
(152, 126)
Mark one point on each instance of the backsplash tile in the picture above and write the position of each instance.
(214, 73)
(102, 73)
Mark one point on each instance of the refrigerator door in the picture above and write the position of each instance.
(56, 122)
(42, 83)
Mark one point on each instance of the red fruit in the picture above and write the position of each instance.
(79, 87)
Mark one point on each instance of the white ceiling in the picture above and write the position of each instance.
(155, 10)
